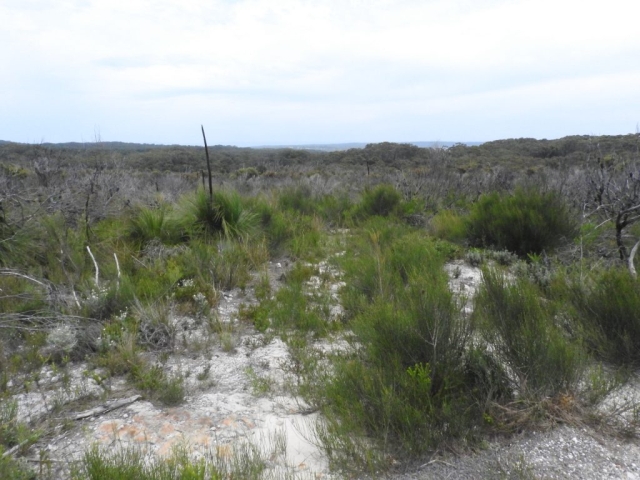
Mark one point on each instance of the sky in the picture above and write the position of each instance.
(295, 72)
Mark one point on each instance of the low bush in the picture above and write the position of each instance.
(407, 384)
(225, 214)
(448, 225)
(298, 199)
(388, 256)
(527, 222)
(245, 461)
(382, 200)
(607, 305)
(521, 328)
(154, 223)
(335, 209)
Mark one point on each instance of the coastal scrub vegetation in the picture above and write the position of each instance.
(103, 246)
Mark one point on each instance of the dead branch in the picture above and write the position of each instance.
(106, 407)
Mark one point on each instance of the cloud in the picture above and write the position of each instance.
(368, 62)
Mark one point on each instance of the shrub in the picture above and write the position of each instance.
(475, 258)
(523, 223)
(407, 384)
(448, 225)
(245, 461)
(11, 469)
(387, 257)
(155, 328)
(294, 308)
(306, 238)
(149, 224)
(278, 229)
(521, 328)
(335, 208)
(382, 201)
(226, 214)
(298, 199)
(609, 310)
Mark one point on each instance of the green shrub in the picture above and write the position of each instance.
(448, 225)
(521, 328)
(382, 200)
(335, 208)
(294, 308)
(306, 238)
(278, 228)
(13, 432)
(407, 385)
(155, 328)
(523, 223)
(299, 199)
(11, 469)
(608, 307)
(387, 256)
(226, 214)
(149, 224)
(407, 388)
(245, 462)
(101, 303)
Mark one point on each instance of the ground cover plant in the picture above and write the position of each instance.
(96, 264)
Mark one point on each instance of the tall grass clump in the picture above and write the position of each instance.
(382, 264)
(526, 222)
(245, 461)
(154, 223)
(299, 199)
(405, 387)
(448, 225)
(225, 214)
(520, 326)
(608, 307)
(335, 208)
(382, 200)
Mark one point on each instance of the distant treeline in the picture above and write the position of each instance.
(521, 153)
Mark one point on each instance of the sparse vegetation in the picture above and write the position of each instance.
(117, 266)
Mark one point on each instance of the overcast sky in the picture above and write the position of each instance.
(267, 72)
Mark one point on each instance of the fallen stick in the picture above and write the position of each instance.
(107, 407)
(15, 448)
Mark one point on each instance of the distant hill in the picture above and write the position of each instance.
(143, 147)
(337, 147)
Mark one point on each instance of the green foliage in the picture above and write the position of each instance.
(448, 225)
(522, 329)
(523, 223)
(608, 308)
(11, 469)
(123, 358)
(157, 223)
(129, 464)
(382, 200)
(225, 214)
(388, 257)
(306, 238)
(297, 199)
(19, 243)
(277, 227)
(257, 314)
(294, 308)
(12, 433)
(406, 386)
(335, 208)
(245, 462)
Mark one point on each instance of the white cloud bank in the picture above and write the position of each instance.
(311, 71)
